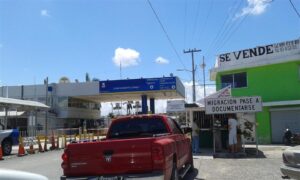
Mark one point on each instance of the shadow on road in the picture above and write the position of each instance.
(253, 153)
(248, 153)
(192, 175)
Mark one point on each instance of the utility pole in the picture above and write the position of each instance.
(203, 68)
(193, 70)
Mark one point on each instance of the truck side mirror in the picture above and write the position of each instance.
(186, 130)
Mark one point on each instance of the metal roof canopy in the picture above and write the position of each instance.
(131, 96)
(11, 113)
(18, 103)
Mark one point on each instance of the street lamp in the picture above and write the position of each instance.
(203, 65)
(194, 86)
(184, 70)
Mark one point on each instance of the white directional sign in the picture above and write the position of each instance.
(233, 105)
(175, 106)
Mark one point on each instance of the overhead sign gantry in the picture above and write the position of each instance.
(144, 88)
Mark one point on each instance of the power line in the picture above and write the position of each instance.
(185, 10)
(196, 19)
(166, 33)
(203, 29)
(226, 26)
(228, 37)
(294, 8)
(229, 25)
(234, 30)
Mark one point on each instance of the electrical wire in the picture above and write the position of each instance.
(225, 26)
(185, 11)
(230, 24)
(202, 29)
(292, 4)
(196, 19)
(228, 37)
(234, 30)
(166, 33)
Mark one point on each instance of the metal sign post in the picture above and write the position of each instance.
(256, 136)
(213, 124)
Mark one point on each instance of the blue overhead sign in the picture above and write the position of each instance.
(132, 85)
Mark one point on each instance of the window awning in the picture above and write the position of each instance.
(10, 102)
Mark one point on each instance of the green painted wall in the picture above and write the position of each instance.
(264, 126)
(277, 82)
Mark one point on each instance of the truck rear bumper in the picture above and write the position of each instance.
(148, 176)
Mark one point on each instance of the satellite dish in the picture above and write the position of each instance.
(64, 79)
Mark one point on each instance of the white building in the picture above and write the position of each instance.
(67, 108)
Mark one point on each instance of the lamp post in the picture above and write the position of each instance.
(203, 68)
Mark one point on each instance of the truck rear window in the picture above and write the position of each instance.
(137, 127)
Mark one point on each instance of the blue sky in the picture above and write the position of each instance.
(55, 38)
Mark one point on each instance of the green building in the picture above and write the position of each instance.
(272, 72)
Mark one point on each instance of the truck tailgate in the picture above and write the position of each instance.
(110, 157)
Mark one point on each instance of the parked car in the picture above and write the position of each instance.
(8, 138)
(140, 147)
(291, 160)
(19, 175)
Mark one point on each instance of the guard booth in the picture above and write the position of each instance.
(206, 124)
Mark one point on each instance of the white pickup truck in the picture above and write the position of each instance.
(8, 138)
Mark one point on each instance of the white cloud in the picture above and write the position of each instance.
(254, 7)
(161, 60)
(45, 12)
(126, 57)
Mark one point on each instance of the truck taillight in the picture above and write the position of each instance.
(64, 157)
(158, 157)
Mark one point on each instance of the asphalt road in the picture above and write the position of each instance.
(266, 166)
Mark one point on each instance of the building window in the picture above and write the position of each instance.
(237, 80)
(240, 80)
(227, 80)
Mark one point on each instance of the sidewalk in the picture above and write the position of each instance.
(264, 151)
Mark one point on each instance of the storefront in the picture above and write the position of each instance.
(271, 72)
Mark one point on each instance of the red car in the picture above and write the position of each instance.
(136, 147)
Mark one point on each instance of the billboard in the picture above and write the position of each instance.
(133, 85)
(233, 105)
(260, 54)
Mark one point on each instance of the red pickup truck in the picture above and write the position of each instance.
(136, 147)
